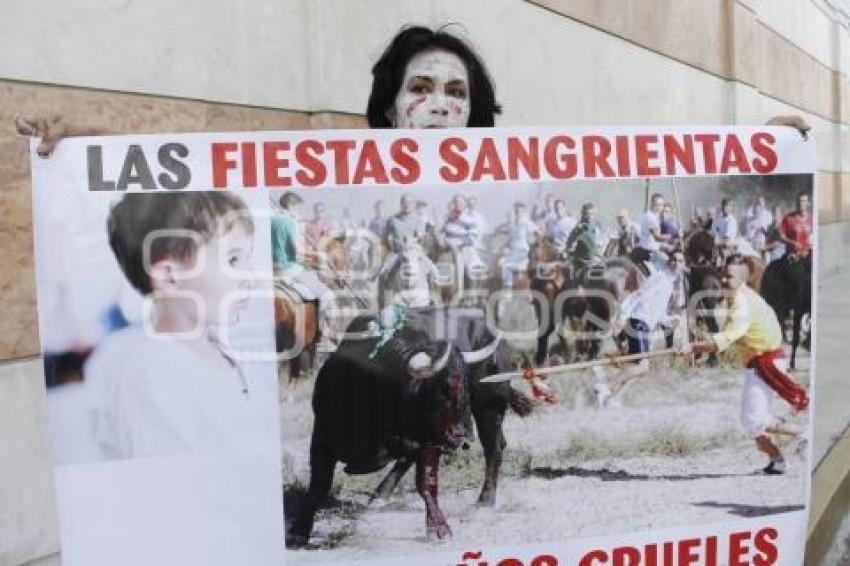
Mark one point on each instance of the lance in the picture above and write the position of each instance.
(554, 370)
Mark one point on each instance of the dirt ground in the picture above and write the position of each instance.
(673, 452)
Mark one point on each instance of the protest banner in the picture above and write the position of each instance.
(226, 317)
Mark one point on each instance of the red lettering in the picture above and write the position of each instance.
(528, 157)
(668, 553)
(560, 165)
(249, 164)
(273, 163)
(456, 168)
(221, 164)
(650, 555)
(734, 156)
(314, 171)
(764, 542)
(738, 548)
(593, 557)
(709, 155)
(625, 556)
(370, 165)
(624, 166)
(646, 153)
(596, 151)
(341, 148)
(488, 162)
(682, 154)
(762, 143)
(687, 551)
(403, 153)
(711, 551)
(544, 560)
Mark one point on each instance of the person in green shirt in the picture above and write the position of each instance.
(289, 255)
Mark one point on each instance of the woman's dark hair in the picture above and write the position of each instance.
(388, 74)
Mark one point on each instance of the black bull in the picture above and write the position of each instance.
(787, 288)
(369, 412)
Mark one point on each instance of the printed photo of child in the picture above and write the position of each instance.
(170, 383)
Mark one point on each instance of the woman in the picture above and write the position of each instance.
(430, 79)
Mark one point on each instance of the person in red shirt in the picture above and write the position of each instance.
(796, 231)
(316, 228)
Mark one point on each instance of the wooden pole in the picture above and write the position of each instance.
(678, 211)
(508, 376)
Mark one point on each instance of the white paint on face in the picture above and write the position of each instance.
(434, 92)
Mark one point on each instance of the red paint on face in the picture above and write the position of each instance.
(412, 106)
(456, 108)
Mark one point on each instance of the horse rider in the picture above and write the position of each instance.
(401, 226)
(651, 237)
(628, 233)
(290, 257)
(585, 239)
(559, 228)
(520, 230)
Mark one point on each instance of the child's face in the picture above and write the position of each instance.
(224, 280)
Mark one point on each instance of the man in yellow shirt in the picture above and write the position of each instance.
(752, 328)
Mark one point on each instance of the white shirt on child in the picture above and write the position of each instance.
(155, 397)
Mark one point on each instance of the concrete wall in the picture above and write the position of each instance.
(28, 527)
(200, 65)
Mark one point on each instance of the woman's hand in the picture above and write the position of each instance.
(795, 122)
(50, 129)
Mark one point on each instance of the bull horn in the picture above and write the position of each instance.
(422, 366)
(440, 364)
(482, 354)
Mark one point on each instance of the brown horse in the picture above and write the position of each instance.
(596, 293)
(548, 275)
(296, 327)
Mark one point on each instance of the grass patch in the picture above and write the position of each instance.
(666, 442)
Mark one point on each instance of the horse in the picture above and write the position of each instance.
(548, 276)
(296, 326)
(595, 294)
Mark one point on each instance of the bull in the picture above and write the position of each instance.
(408, 399)
(787, 288)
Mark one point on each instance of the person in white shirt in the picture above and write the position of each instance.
(726, 227)
(561, 226)
(641, 313)
(520, 230)
(172, 387)
(461, 234)
(476, 222)
(756, 224)
(759, 213)
(651, 238)
(456, 231)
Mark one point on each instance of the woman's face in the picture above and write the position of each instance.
(434, 92)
